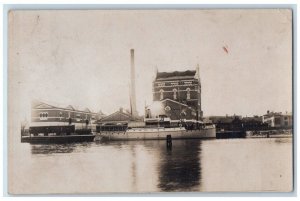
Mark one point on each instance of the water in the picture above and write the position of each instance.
(149, 166)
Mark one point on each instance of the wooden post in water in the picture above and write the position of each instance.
(169, 141)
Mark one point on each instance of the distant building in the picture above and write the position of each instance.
(278, 120)
(266, 122)
(43, 114)
(227, 123)
(254, 123)
(177, 95)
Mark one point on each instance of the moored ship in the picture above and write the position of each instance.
(157, 129)
(56, 134)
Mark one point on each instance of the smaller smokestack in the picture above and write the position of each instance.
(198, 72)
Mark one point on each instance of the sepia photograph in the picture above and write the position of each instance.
(150, 101)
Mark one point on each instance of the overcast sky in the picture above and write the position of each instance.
(82, 58)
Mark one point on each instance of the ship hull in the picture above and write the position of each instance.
(158, 134)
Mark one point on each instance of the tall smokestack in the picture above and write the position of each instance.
(132, 87)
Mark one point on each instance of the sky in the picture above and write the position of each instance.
(82, 58)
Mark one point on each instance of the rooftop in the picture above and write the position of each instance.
(176, 74)
(36, 104)
(271, 113)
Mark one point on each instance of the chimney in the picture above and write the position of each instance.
(198, 72)
(199, 107)
(132, 86)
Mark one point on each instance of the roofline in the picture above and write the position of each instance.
(174, 101)
(187, 80)
(57, 108)
(177, 77)
(176, 71)
(113, 114)
(66, 108)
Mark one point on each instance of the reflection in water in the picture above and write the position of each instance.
(251, 165)
(58, 148)
(179, 167)
(282, 140)
(133, 169)
(149, 166)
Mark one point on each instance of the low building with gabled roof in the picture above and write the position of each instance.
(119, 117)
(44, 114)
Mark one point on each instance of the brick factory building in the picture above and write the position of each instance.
(44, 114)
(176, 95)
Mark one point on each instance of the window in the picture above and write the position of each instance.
(60, 115)
(162, 84)
(167, 108)
(188, 82)
(78, 117)
(161, 94)
(43, 115)
(174, 94)
(188, 93)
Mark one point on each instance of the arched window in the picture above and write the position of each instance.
(188, 93)
(167, 108)
(174, 94)
(161, 94)
(43, 115)
(78, 117)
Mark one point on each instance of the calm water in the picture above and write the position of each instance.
(148, 166)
